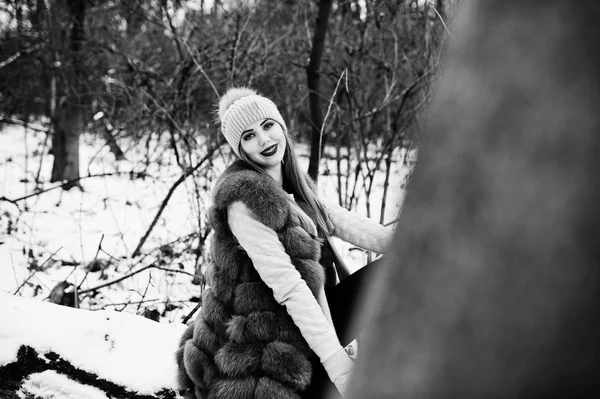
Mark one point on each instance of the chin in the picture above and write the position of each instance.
(271, 162)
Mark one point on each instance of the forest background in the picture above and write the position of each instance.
(141, 79)
(109, 145)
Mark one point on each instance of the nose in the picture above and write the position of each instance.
(263, 137)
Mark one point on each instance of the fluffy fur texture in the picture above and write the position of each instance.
(243, 344)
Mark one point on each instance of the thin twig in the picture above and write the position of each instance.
(440, 17)
(72, 271)
(112, 213)
(166, 269)
(12, 261)
(75, 293)
(118, 280)
(237, 42)
(95, 257)
(110, 256)
(165, 111)
(189, 315)
(144, 256)
(35, 271)
(39, 171)
(19, 53)
(130, 302)
(109, 283)
(201, 69)
(392, 222)
(80, 228)
(145, 292)
(63, 184)
(11, 201)
(163, 205)
(328, 110)
(173, 30)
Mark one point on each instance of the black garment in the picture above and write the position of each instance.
(343, 300)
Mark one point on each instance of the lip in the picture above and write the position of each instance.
(269, 151)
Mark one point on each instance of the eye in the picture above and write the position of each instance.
(248, 136)
(268, 125)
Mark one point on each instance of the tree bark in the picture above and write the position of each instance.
(69, 116)
(491, 284)
(313, 78)
(65, 146)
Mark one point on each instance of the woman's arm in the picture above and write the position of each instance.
(359, 230)
(275, 268)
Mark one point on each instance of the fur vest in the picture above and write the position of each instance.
(243, 344)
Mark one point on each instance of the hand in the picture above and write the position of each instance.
(339, 368)
(351, 350)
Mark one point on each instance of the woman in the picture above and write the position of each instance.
(265, 329)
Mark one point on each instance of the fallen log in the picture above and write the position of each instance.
(47, 351)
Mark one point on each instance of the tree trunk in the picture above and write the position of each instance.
(65, 147)
(69, 116)
(491, 285)
(313, 78)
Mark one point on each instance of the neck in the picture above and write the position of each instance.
(276, 172)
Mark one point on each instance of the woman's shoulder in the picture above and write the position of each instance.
(258, 192)
(239, 182)
(235, 174)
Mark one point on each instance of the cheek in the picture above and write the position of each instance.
(284, 142)
(246, 146)
(280, 134)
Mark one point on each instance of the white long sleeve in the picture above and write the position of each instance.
(274, 266)
(359, 230)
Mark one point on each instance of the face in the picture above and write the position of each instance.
(264, 143)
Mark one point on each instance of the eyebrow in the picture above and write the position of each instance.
(250, 130)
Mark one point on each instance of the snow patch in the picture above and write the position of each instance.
(51, 385)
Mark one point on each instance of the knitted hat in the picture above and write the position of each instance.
(239, 108)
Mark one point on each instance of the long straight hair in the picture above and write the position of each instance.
(297, 184)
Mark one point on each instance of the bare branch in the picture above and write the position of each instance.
(344, 72)
(201, 69)
(189, 315)
(35, 271)
(126, 276)
(67, 183)
(16, 55)
(440, 17)
(19, 122)
(163, 205)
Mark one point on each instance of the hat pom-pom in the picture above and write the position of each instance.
(231, 96)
